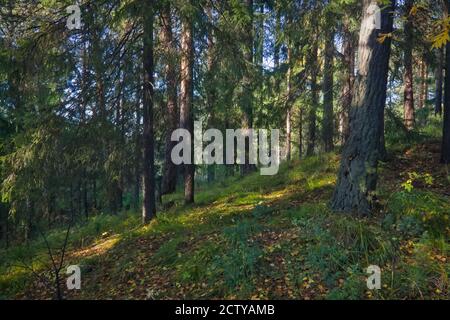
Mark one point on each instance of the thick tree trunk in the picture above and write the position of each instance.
(328, 83)
(169, 181)
(357, 179)
(408, 103)
(149, 206)
(186, 118)
(446, 132)
(349, 78)
(439, 82)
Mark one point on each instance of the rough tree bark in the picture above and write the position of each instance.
(357, 178)
(186, 119)
(169, 180)
(408, 102)
(149, 205)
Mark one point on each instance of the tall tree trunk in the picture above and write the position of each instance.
(300, 133)
(312, 116)
(247, 82)
(408, 103)
(137, 155)
(446, 132)
(276, 53)
(348, 79)
(186, 118)
(357, 178)
(328, 83)
(288, 104)
(169, 180)
(210, 84)
(149, 206)
(439, 82)
(423, 94)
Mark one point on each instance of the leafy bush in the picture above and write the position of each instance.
(414, 211)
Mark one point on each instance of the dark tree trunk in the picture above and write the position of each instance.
(169, 181)
(357, 179)
(149, 206)
(439, 82)
(186, 118)
(349, 78)
(328, 83)
(409, 114)
(446, 134)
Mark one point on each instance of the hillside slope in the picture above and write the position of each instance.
(266, 238)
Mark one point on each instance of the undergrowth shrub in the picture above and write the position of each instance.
(415, 212)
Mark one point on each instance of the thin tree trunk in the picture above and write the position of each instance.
(349, 78)
(186, 118)
(138, 156)
(247, 99)
(409, 114)
(149, 206)
(439, 82)
(169, 181)
(276, 54)
(328, 83)
(85, 199)
(312, 117)
(210, 84)
(288, 105)
(446, 131)
(357, 178)
(300, 133)
(423, 94)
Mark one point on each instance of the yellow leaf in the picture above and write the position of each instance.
(383, 36)
(440, 40)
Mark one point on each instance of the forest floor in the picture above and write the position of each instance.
(265, 238)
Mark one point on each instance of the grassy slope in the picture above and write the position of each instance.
(265, 237)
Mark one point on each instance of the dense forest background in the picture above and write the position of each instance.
(86, 118)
